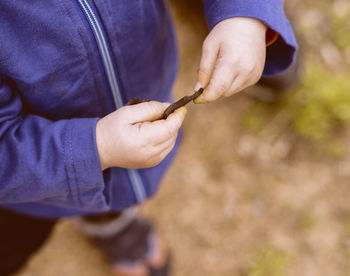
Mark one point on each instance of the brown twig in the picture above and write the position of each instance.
(171, 108)
(182, 102)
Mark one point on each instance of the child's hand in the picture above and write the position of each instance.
(134, 137)
(233, 58)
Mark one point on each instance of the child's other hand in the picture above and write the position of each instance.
(233, 58)
(134, 137)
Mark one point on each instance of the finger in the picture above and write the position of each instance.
(220, 82)
(243, 81)
(167, 150)
(157, 154)
(238, 84)
(210, 52)
(158, 157)
(160, 147)
(162, 130)
(143, 112)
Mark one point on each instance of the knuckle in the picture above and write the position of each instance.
(228, 64)
(251, 69)
(259, 72)
(207, 45)
(122, 113)
(172, 130)
(151, 163)
(238, 84)
(155, 160)
(155, 106)
(230, 92)
(255, 79)
(232, 63)
(164, 154)
(203, 71)
(206, 49)
(213, 95)
(154, 163)
(230, 53)
(235, 58)
(148, 160)
(251, 78)
(221, 87)
(249, 66)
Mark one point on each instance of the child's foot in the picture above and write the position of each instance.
(136, 250)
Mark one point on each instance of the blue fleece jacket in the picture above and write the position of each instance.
(63, 65)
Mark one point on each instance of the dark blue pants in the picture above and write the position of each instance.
(20, 236)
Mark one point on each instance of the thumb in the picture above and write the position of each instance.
(144, 112)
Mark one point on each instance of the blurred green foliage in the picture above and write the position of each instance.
(341, 31)
(253, 119)
(305, 221)
(269, 262)
(317, 109)
(321, 101)
(347, 228)
(319, 105)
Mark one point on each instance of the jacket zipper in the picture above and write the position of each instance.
(134, 175)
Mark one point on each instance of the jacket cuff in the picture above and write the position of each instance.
(280, 55)
(82, 164)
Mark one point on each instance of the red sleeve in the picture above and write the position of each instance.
(271, 36)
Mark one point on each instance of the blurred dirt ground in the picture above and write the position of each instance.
(233, 203)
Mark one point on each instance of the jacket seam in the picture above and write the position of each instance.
(65, 162)
(77, 186)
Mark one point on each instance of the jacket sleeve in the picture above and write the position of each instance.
(45, 161)
(281, 53)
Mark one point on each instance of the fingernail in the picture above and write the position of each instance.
(197, 86)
